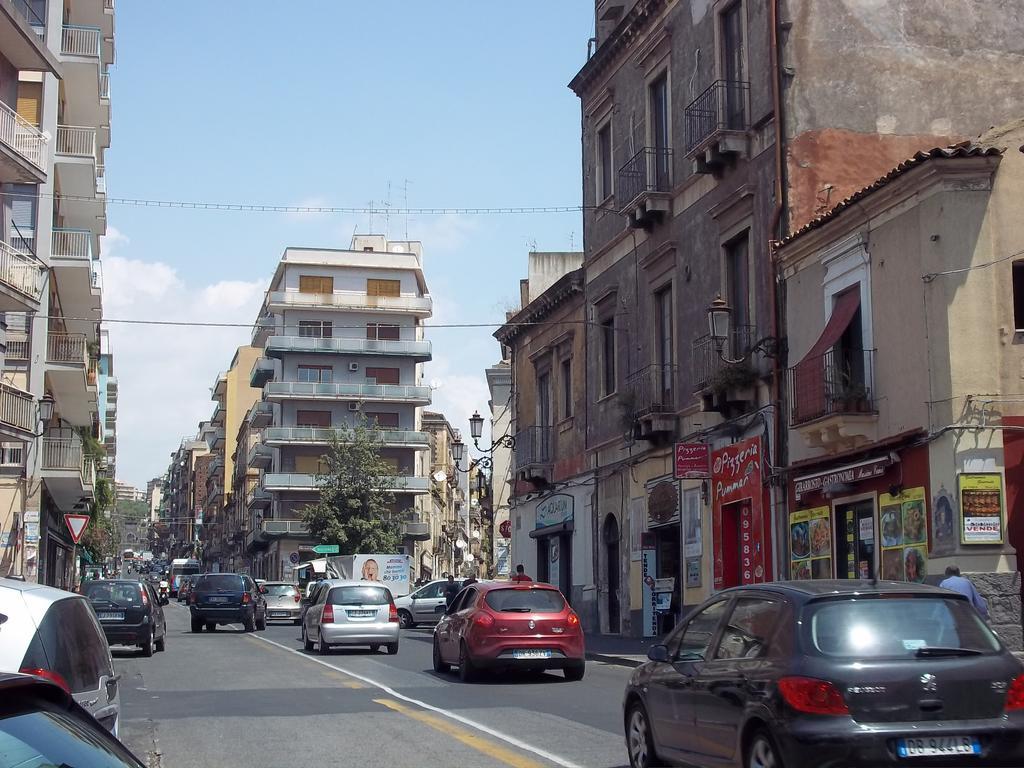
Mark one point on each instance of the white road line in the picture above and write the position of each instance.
(451, 715)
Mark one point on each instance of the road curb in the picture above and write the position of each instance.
(609, 659)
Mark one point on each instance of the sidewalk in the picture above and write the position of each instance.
(616, 649)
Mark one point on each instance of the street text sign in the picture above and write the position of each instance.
(326, 549)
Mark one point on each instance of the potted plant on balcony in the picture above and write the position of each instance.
(734, 383)
(850, 397)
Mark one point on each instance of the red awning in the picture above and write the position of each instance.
(810, 377)
(846, 306)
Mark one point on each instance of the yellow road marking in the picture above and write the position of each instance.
(480, 744)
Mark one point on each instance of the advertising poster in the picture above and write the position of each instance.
(391, 570)
(943, 539)
(693, 540)
(691, 461)
(648, 570)
(693, 572)
(904, 535)
(981, 505)
(810, 544)
(736, 483)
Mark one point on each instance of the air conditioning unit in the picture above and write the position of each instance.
(353, 406)
(353, 366)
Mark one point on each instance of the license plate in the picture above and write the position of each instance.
(278, 614)
(217, 599)
(110, 615)
(937, 746)
(361, 614)
(531, 654)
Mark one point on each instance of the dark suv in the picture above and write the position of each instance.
(226, 598)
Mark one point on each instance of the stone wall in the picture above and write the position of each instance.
(1002, 590)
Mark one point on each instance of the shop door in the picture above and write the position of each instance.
(543, 561)
(731, 561)
(612, 565)
(855, 540)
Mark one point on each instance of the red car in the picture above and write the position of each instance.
(511, 626)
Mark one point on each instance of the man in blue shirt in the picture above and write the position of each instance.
(963, 585)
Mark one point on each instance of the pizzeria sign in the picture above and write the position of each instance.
(854, 473)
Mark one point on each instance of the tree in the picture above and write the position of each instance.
(355, 510)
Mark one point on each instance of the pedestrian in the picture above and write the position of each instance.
(451, 591)
(521, 574)
(470, 580)
(963, 585)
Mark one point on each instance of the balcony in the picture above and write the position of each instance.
(645, 186)
(303, 390)
(67, 349)
(17, 347)
(284, 528)
(76, 272)
(833, 402)
(417, 349)
(69, 474)
(533, 454)
(22, 30)
(22, 149)
(652, 395)
(81, 42)
(716, 124)
(75, 165)
(260, 456)
(18, 413)
(308, 483)
(217, 439)
(323, 436)
(708, 365)
(21, 280)
(262, 372)
(218, 416)
(416, 531)
(418, 306)
(261, 414)
(258, 497)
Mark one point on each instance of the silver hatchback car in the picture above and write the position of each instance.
(284, 603)
(351, 613)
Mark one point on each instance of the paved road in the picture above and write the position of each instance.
(233, 698)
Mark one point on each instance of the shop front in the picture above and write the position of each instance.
(740, 515)
(661, 556)
(865, 518)
(553, 531)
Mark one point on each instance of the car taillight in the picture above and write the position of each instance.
(815, 697)
(573, 620)
(484, 620)
(392, 613)
(1015, 695)
(328, 617)
(246, 598)
(192, 598)
(296, 596)
(145, 598)
(47, 674)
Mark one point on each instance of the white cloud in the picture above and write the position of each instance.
(111, 242)
(458, 396)
(165, 372)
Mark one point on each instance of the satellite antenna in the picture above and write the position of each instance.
(439, 476)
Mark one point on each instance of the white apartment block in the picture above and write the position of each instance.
(54, 130)
(343, 341)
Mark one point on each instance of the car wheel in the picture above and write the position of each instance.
(261, 625)
(249, 623)
(147, 647)
(639, 743)
(392, 649)
(405, 620)
(761, 753)
(321, 647)
(467, 672)
(161, 644)
(297, 622)
(307, 644)
(197, 626)
(439, 665)
(211, 627)
(575, 673)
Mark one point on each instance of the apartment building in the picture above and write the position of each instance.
(182, 494)
(127, 492)
(343, 343)
(154, 497)
(107, 404)
(709, 130)
(499, 385)
(441, 510)
(54, 130)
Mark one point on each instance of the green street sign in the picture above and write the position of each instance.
(326, 549)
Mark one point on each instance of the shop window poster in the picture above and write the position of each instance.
(693, 540)
(943, 522)
(981, 504)
(810, 544)
(904, 535)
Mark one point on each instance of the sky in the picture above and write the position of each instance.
(450, 103)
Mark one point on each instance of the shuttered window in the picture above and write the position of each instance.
(382, 420)
(383, 287)
(30, 96)
(382, 331)
(383, 375)
(23, 198)
(310, 465)
(313, 418)
(316, 284)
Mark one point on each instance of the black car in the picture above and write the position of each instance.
(828, 674)
(226, 598)
(130, 612)
(40, 724)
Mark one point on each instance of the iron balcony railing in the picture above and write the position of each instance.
(649, 170)
(17, 408)
(71, 244)
(101, 180)
(837, 382)
(17, 346)
(77, 40)
(323, 435)
(76, 141)
(67, 454)
(722, 107)
(285, 528)
(652, 390)
(21, 272)
(533, 446)
(21, 136)
(351, 301)
(105, 86)
(67, 349)
(378, 392)
(707, 361)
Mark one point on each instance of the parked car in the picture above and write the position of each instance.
(226, 598)
(41, 724)
(509, 625)
(130, 612)
(424, 606)
(828, 673)
(55, 635)
(283, 601)
(351, 613)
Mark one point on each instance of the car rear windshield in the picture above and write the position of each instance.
(525, 600)
(280, 590)
(895, 627)
(123, 593)
(359, 596)
(218, 581)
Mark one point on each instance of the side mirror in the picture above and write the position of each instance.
(658, 653)
(164, 601)
(263, 590)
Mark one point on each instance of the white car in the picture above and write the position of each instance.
(55, 635)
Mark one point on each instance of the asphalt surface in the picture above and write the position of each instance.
(231, 698)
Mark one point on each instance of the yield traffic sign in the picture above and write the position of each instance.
(76, 524)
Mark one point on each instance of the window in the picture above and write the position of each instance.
(383, 287)
(312, 418)
(566, 371)
(544, 399)
(317, 329)
(696, 637)
(733, 65)
(30, 96)
(525, 600)
(310, 465)
(737, 276)
(659, 135)
(359, 596)
(316, 284)
(12, 454)
(664, 342)
(382, 420)
(1018, 295)
(608, 355)
(383, 375)
(604, 162)
(749, 628)
(382, 331)
(318, 374)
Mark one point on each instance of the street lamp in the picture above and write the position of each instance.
(719, 322)
(458, 449)
(476, 429)
(45, 412)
